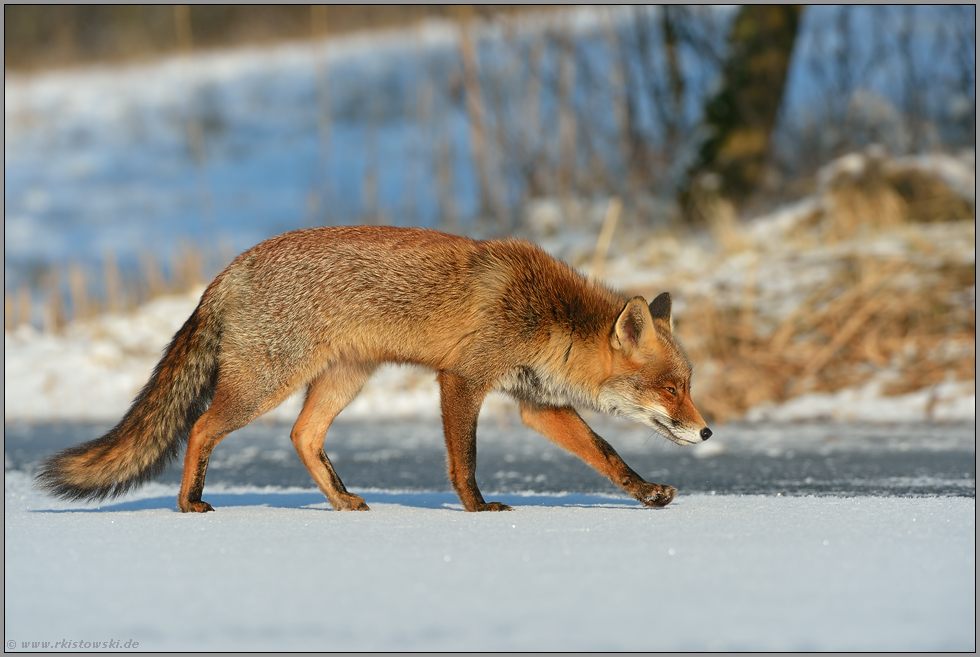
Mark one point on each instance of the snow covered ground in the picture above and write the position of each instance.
(274, 569)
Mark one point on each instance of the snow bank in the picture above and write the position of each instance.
(93, 371)
(951, 401)
(276, 570)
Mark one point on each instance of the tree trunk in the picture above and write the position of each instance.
(741, 115)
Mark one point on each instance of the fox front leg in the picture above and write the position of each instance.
(460, 408)
(565, 428)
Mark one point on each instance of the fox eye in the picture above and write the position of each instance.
(671, 390)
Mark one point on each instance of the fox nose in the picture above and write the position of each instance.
(705, 433)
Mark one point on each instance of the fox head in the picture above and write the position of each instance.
(651, 377)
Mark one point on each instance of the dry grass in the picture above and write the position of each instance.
(913, 317)
(892, 315)
(75, 292)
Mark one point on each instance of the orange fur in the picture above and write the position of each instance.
(321, 308)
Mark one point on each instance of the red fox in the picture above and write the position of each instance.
(321, 308)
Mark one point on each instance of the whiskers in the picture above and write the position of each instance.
(664, 443)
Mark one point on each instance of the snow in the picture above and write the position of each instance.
(950, 401)
(275, 569)
(99, 159)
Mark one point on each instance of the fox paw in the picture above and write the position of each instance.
(492, 506)
(195, 507)
(655, 495)
(351, 503)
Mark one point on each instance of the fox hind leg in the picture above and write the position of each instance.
(326, 396)
(210, 429)
(565, 428)
(240, 397)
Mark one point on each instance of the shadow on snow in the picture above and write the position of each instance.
(315, 501)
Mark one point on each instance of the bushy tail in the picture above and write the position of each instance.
(151, 433)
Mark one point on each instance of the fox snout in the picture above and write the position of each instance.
(677, 430)
(680, 422)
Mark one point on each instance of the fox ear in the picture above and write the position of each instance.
(660, 311)
(631, 324)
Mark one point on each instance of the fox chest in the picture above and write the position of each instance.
(539, 387)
